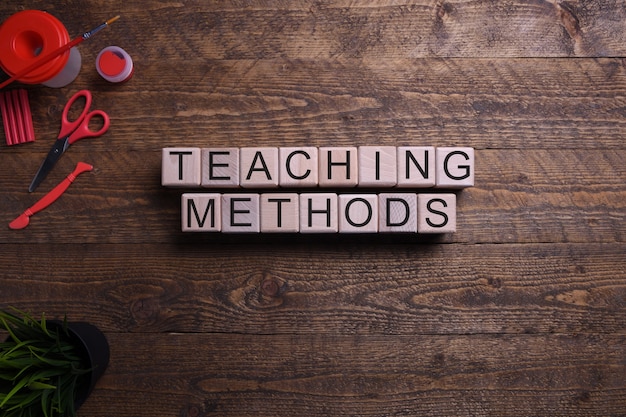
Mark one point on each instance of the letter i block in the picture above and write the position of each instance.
(220, 167)
(436, 213)
(397, 212)
(455, 167)
(298, 167)
(258, 167)
(318, 213)
(358, 213)
(338, 166)
(280, 213)
(240, 213)
(181, 167)
(201, 212)
(377, 166)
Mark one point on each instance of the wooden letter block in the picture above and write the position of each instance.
(455, 167)
(338, 167)
(181, 167)
(201, 212)
(280, 213)
(220, 167)
(298, 167)
(358, 213)
(318, 213)
(377, 166)
(436, 213)
(397, 212)
(258, 167)
(416, 166)
(240, 213)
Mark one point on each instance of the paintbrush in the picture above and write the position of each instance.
(49, 57)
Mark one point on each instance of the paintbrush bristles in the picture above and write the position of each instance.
(113, 19)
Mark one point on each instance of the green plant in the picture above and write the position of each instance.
(40, 367)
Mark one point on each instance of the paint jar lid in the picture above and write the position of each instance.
(114, 64)
(27, 35)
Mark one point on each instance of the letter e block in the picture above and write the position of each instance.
(318, 213)
(377, 166)
(280, 213)
(358, 213)
(201, 212)
(455, 167)
(416, 166)
(258, 167)
(220, 167)
(338, 166)
(436, 213)
(298, 167)
(181, 167)
(240, 213)
(397, 212)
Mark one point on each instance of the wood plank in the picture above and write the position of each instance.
(324, 288)
(321, 375)
(521, 196)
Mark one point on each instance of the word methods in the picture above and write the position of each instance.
(318, 211)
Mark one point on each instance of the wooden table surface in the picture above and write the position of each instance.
(521, 312)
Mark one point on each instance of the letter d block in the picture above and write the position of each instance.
(397, 212)
(436, 213)
(201, 212)
(455, 167)
(181, 167)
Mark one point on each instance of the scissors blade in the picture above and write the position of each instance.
(60, 145)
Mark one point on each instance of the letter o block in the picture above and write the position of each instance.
(358, 213)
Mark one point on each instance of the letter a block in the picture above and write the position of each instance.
(181, 167)
(258, 167)
(436, 213)
(455, 167)
(358, 213)
(201, 212)
(397, 212)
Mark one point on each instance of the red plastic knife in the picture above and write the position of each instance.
(23, 219)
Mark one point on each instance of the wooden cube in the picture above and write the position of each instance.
(240, 213)
(258, 167)
(318, 213)
(416, 166)
(201, 212)
(358, 213)
(455, 167)
(220, 167)
(338, 166)
(436, 213)
(298, 167)
(397, 212)
(280, 213)
(181, 167)
(377, 166)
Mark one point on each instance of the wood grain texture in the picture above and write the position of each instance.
(521, 312)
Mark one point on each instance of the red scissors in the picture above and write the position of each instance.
(70, 133)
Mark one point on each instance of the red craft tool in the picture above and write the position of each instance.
(71, 132)
(22, 220)
(47, 58)
(16, 117)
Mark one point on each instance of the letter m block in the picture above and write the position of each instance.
(201, 212)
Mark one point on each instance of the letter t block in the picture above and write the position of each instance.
(181, 167)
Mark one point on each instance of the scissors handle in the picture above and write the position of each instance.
(68, 127)
(83, 131)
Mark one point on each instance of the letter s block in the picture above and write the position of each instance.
(181, 167)
(436, 213)
(455, 167)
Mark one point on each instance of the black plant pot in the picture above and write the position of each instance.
(94, 348)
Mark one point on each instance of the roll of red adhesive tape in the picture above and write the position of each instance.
(114, 64)
(29, 34)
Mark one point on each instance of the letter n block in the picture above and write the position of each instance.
(201, 212)
(436, 213)
(181, 167)
(416, 166)
(358, 213)
(240, 213)
(397, 212)
(455, 167)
